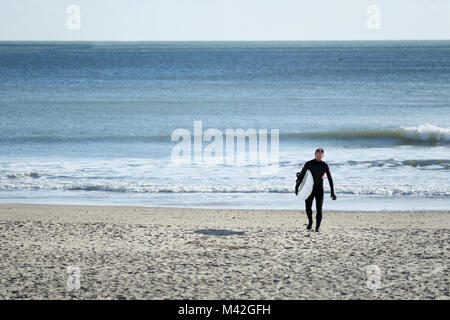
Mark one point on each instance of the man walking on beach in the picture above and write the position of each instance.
(318, 169)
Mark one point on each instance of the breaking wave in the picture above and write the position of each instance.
(422, 134)
(372, 190)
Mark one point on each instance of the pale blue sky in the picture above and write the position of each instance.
(224, 20)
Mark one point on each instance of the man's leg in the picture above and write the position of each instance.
(308, 205)
(319, 203)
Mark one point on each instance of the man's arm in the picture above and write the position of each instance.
(330, 181)
(300, 176)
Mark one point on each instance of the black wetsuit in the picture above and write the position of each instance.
(318, 170)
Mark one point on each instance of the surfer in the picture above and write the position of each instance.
(318, 170)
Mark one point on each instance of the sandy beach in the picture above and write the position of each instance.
(173, 253)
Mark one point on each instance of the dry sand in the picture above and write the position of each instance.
(170, 253)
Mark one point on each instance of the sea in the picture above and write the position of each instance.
(94, 122)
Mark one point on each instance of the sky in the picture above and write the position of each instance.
(223, 20)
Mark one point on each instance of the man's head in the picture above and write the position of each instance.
(319, 154)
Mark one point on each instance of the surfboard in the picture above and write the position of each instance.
(306, 186)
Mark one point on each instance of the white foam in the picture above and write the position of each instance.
(370, 190)
(427, 132)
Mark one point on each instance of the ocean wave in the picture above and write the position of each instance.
(422, 134)
(425, 164)
(427, 132)
(370, 190)
(30, 174)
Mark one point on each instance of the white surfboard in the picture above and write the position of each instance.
(306, 186)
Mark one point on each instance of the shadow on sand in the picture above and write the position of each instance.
(219, 232)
